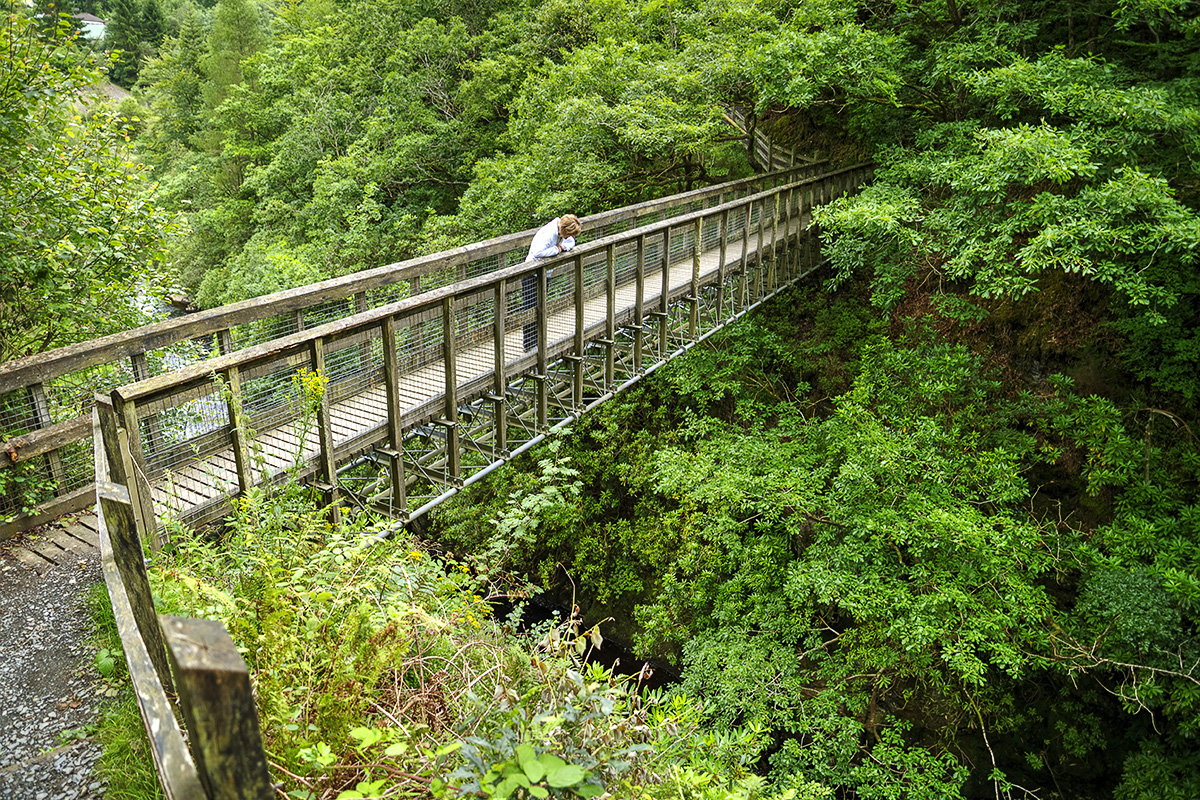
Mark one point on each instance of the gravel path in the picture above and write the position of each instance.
(50, 691)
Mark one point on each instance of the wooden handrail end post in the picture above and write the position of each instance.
(218, 705)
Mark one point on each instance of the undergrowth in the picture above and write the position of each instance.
(379, 672)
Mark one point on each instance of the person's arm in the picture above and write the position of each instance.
(545, 241)
(568, 243)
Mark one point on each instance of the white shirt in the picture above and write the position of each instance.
(546, 241)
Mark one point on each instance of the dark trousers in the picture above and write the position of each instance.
(529, 333)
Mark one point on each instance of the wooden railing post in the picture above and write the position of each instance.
(326, 465)
(739, 300)
(664, 294)
(364, 349)
(130, 561)
(237, 429)
(499, 395)
(137, 483)
(721, 256)
(694, 297)
(543, 336)
(798, 215)
(639, 303)
(610, 317)
(772, 268)
(449, 419)
(395, 449)
(218, 705)
(760, 272)
(141, 371)
(788, 250)
(580, 324)
(42, 419)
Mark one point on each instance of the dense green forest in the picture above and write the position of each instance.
(926, 527)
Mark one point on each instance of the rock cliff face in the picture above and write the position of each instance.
(182, 302)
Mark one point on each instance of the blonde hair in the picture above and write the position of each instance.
(568, 225)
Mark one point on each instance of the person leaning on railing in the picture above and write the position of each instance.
(556, 236)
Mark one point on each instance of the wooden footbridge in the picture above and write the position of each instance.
(420, 366)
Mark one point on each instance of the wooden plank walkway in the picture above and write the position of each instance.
(212, 479)
(66, 541)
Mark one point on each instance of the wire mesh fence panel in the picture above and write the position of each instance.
(385, 295)
(419, 345)
(195, 466)
(625, 262)
(474, 321)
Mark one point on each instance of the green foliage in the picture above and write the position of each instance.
(516, 525)
(888, 568)
(615, 124)
(121, 35)
(77, 228)
(175, 79)
(377, 671)
(23, 486)
(236, 35)
(582, 731)
(1012, 155)
(259, 269)
(872, 577)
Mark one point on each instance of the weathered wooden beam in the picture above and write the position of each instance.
(172, 762)
(395, 418)
(41, 412)
(129, 557)
(218, 706)
(610, 327)
(639, 309)
(238, 423)
(136, 480)
(580, 325)
(740, 300)
(697, 244)
(500, 363)
(75, 500)
(327, 470)
(141, 371)
(773, 265)
(45, 440)
(721, 259)
(450, 392)
(664, 295)
(543, 346)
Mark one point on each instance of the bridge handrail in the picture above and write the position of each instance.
(193, 660)
(202, 372)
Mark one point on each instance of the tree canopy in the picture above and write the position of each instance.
(931, 524)
(78, 225)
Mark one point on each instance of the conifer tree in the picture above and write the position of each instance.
(176, 79)
(123, 33)
(235, 36)
(152, 24)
